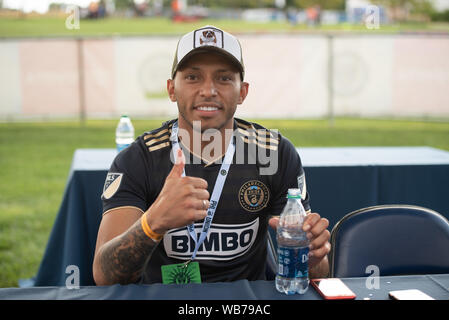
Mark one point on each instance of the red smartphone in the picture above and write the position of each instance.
(332, 289)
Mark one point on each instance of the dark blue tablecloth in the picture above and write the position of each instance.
(436, 286)
(74, 235)
(336, 191)
(337, 185)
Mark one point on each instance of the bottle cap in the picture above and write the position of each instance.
(294, 193)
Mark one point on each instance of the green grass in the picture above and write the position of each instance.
(353, 132)
(35, 160)
(51, 26)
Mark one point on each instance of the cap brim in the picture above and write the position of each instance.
(207, 49)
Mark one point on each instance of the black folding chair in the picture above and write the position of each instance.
(398, 239)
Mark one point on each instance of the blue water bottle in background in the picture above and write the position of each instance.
(293, 247)
(124, 133)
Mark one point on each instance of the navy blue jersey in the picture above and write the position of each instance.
(264, 167)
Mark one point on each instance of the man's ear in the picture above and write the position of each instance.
(244, 86)
(171, 89)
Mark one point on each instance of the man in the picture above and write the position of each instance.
(171, 202)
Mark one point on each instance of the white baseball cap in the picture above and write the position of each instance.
(208, 38)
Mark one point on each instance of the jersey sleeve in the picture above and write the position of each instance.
(290, 174)
(125, 184)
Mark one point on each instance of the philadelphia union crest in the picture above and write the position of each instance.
(254, 196)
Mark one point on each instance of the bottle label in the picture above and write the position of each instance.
(121, 146)
(293, 262)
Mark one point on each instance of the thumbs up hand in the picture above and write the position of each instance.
(181, 201)
(178, 167)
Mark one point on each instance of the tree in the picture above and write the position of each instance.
(400, 9)
(324, 4)
(123, 4)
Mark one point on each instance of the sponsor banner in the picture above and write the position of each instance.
(49, 77)
(420, 77)
(223, 242)
(372, 76)
(10, 86)
(99, 76)
(142, 67)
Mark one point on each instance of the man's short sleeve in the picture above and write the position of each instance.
(125, 184)
(290, 175)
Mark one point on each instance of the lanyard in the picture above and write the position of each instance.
(216, 193)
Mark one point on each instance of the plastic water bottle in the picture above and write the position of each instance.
(293, 247)
(124, 134)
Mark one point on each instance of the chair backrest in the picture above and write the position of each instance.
(398, 239)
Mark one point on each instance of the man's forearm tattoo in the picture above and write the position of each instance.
(123, 258)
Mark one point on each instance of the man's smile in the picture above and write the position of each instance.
(207, 108)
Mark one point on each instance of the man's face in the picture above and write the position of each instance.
(208, 89)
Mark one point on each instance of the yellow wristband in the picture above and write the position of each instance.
(150, 233)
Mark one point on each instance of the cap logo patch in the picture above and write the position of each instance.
(208, 37)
